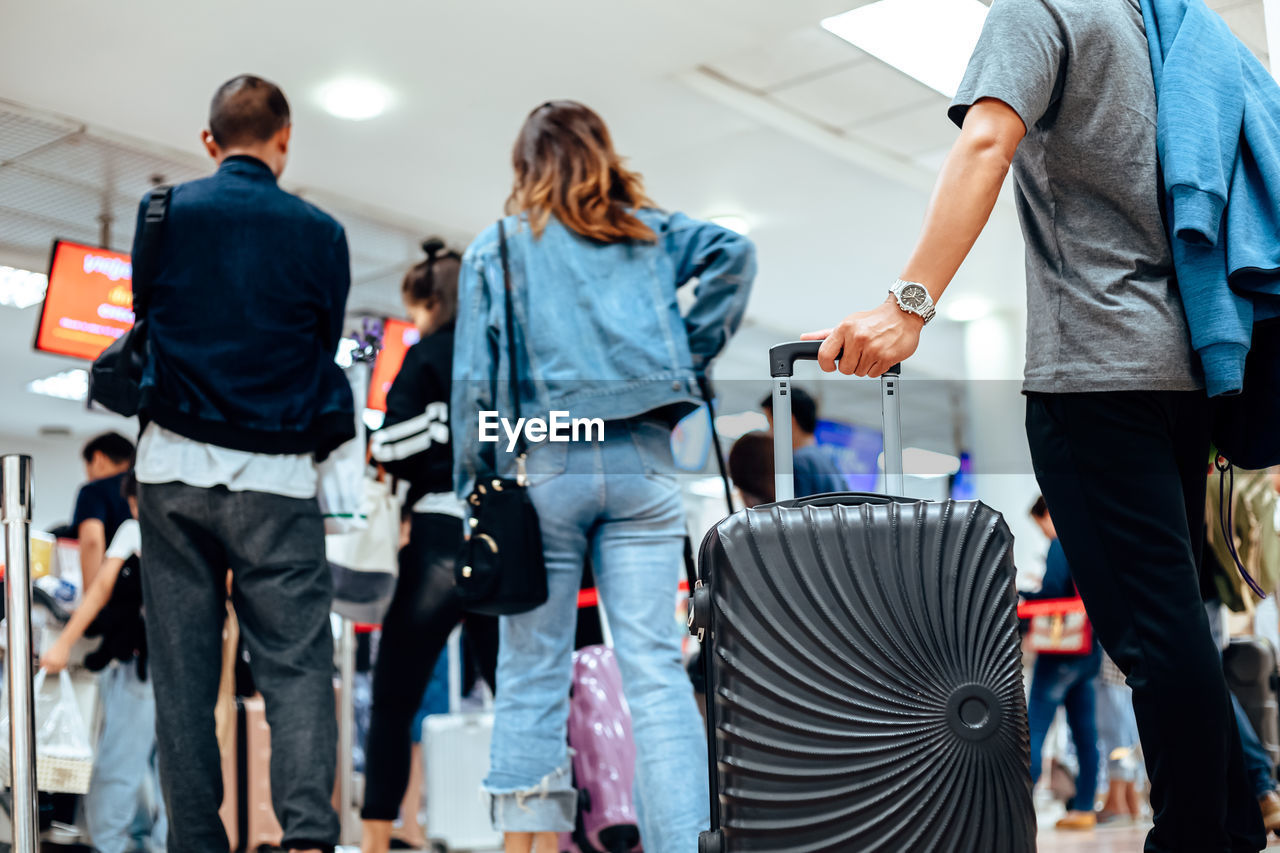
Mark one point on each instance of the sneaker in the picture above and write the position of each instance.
(1081, 821)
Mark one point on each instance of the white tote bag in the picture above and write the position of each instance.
(341, 483)
(364, 561)
(64, 757)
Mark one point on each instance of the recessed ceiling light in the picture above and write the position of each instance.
(354, 98)
(736, 426)
(21, 288)
(964, 309)
(926, 464)
(931, 40)
(67, 385)
(733, 222)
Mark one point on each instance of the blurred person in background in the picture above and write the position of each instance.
(1062, 92)
(100, 505)
(1118, 740)
(595, 267)
(751, 468)
(124, 772)
(414, 445)
(240, 397)
(1064, 681)
(816, 468)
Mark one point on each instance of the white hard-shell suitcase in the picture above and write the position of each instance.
(455, 750)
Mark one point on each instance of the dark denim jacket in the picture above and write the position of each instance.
(245, 316)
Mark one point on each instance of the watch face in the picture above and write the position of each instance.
(914, 296)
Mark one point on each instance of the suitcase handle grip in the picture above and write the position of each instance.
(783, 358)
(845, 499)
(782, 361)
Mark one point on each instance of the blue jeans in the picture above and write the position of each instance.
(619, 498)
(1117, 731)
(124, 766)
(1257, 762)
(1067, 680)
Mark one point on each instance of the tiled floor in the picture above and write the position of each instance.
(1106, 840)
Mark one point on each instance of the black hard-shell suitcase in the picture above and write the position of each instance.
(1250, 666)
(864, 675)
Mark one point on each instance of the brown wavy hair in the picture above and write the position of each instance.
(565, 166)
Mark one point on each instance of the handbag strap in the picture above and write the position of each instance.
(708, 395)
(509, 332)
(146, 261)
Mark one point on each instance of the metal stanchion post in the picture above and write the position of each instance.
(347, 730)
(15, 516)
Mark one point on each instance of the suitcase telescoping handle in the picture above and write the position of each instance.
(782, 362)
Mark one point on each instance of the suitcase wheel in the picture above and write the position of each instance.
(711, 842)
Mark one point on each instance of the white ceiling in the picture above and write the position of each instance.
(832, 223)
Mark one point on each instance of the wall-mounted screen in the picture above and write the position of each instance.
(89, 301)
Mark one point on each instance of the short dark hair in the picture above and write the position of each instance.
(129, 485)
(112, 445)
(1039, 509)
(751, 465)
(247, 110)
(803, 407)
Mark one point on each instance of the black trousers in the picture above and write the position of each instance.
(282, 592)
(1123, 474)
(423, 612)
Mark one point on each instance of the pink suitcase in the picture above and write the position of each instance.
(604, 760)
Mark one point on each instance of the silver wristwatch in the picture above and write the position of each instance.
(913, 298)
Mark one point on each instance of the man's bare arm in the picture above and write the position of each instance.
(93, 547)
(963, 198)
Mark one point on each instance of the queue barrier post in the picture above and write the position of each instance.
(15, 517)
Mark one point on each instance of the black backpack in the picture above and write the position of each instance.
(120, 623)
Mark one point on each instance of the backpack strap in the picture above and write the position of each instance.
(146, 261)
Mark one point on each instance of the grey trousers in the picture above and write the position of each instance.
(282, 592)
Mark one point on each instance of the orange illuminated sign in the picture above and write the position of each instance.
(397, 337)
(89, 302)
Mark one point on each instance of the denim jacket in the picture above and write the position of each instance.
(598, 330)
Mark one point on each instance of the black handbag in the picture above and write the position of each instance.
(115, 380)
(501, 570)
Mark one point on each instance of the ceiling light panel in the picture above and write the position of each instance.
(67, 385)
(930, 40)
(21, 288)
(733, 222)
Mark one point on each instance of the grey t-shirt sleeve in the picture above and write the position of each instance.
(1019, 60)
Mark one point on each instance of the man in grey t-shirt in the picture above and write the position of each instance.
(1117, 419)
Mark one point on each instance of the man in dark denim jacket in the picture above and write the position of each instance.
(241, 394)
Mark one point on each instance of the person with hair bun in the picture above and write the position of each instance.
(414, 445)
(594, 271)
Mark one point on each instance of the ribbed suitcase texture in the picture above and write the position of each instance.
(456, 752)
(866, 679)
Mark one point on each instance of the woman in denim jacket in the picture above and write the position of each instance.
(595, 267)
